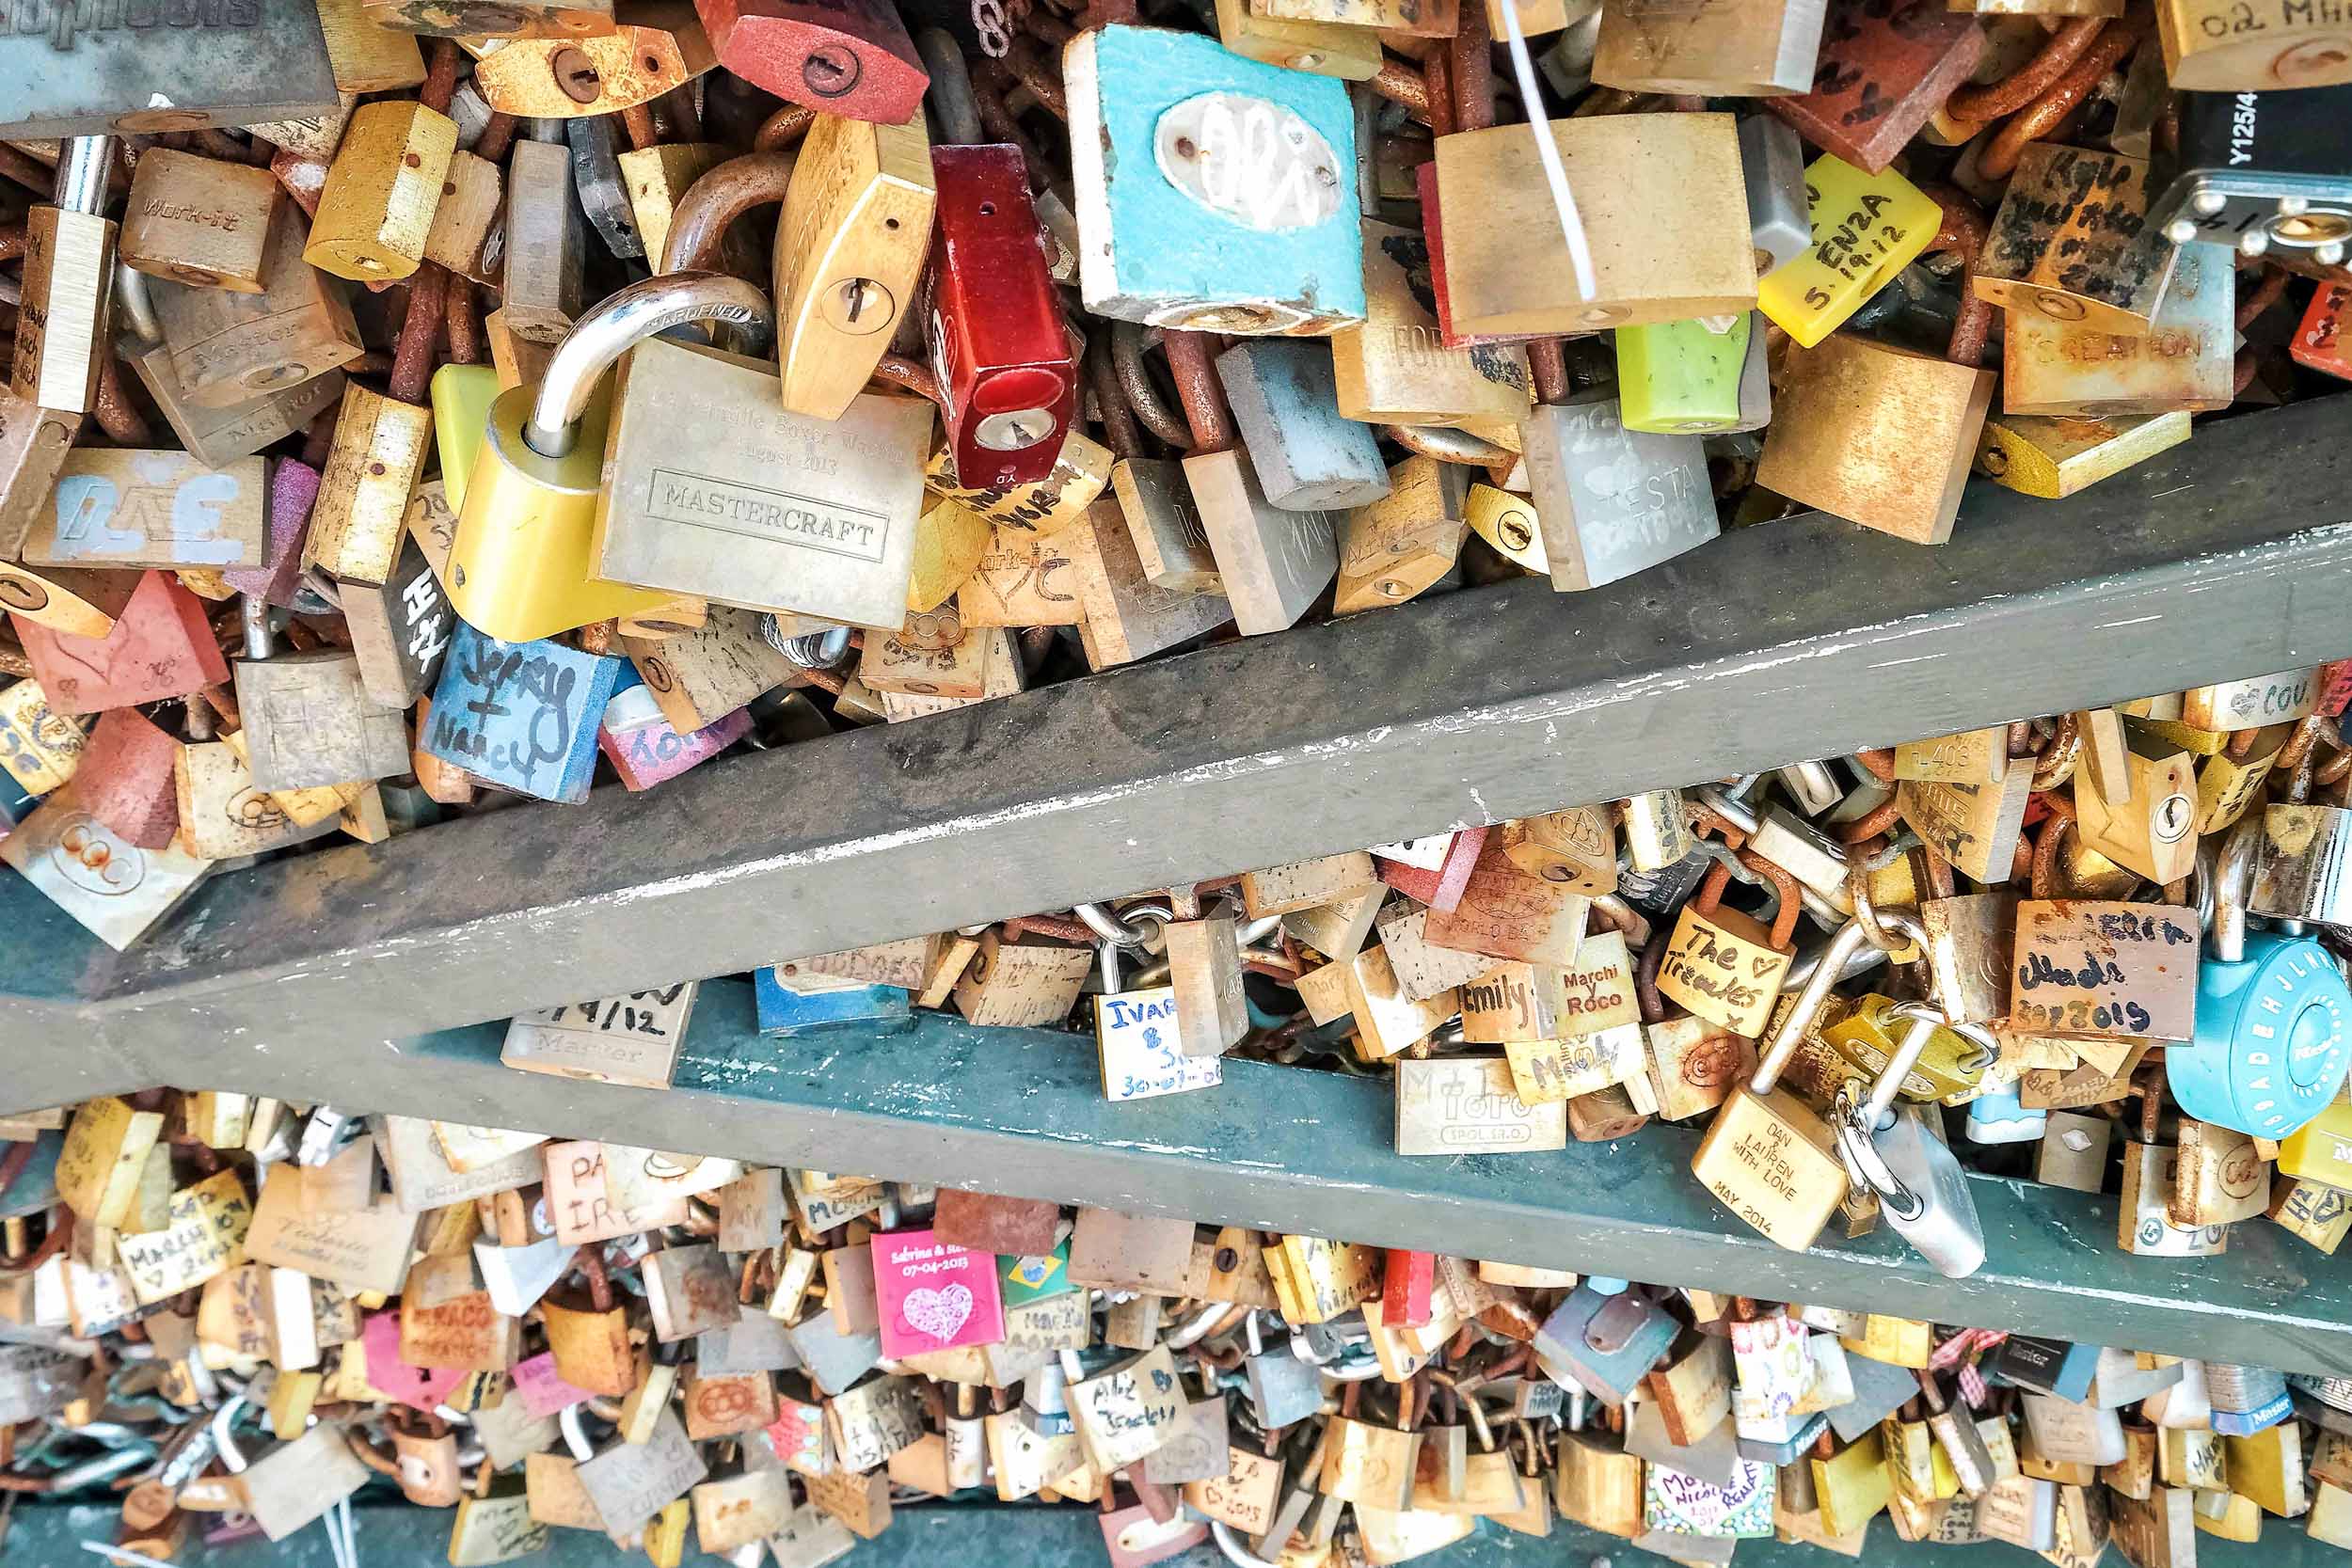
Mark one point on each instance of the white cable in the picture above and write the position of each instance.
(1562, 199)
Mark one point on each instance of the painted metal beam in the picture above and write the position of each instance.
(1292, 1148)
(392, 1534)
(1791, 640)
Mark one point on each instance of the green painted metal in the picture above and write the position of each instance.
(959, 1535)
(1291, 1148)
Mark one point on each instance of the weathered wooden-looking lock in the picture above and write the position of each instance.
(1883, 70)
(198, 220)
(1214, 193)
(850, 250)
(1008, 377)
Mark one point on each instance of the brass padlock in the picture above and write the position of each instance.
(226, 347)
(850, 248)
(1767, 1156)
(654, 46)
(198, 220)
(68, 276)
(2071, 242)
(381, 192)
(1726, 966)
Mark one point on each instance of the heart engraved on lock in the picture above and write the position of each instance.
(939, 1312)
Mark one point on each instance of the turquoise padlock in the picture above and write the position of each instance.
(2269, 1048)
(1999, 1116)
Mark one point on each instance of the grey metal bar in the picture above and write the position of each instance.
(1291, 1148)
(1791, 640)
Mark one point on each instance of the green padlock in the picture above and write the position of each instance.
(1681, 379)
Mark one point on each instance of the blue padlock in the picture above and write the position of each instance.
(2269, 1051)
(783, 1011)
(1999, 1116)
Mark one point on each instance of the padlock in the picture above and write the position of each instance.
(2183, 361)
(1211, 191)
(69, 277)
(213, 435)
(1323, 48)
(1271, 561)
(1307, 451)
(1007, 378)
(198, 220)
(1922, 1192)
(1880, 436)
(1671, 172)
(539, 290)
(2212, 50)
(677, 515)
(1681, 377)
(1726, 966)
(849, 249)
(655, 47)
(2322, 338)
(381, 192)
(1949, 1064)
(1604, 1344)
(1750, 51)
(1766, 1156)
(522, 563)
(2052, 458)
(130, 508)
(2270, 1051)
(1395, 368)
(1405, 542)
(1612, 500)
(1882, 69)
(226, 348)
(155, 642)
(2303, 864)
(597, 180)
(2072, 241)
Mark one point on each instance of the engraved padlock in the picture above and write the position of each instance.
(68, 279)
(521, 566)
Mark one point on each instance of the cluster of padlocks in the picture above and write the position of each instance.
(1084, 347)
(241, 1313)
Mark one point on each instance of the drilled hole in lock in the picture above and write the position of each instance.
(653, 63)
(988, 209)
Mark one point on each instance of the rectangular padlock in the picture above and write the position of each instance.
(381, 192)
(1748, 50)
(1613, 502)
(2212, 50)
(2182, 362)
(656, 46)
(849, 58)
(1668, 172)
(1214, 193)
(1394, 367)
(1880, 436)
(1405, 542)
(88, 71)
(1864, 229)
(227, 347)
(2072, 241)
(1309, 453)
(128, 508)
(1007, 378)
(2052, 458)
(198, 220)
(1883, 70)
(688, 510)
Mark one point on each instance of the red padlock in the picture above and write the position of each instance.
(1003, 359)
(847, 58)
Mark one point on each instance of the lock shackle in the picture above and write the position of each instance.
(954, 108)
(1924, 1020)
(83, 164)
(1808, 1006)
(136, 304)
(627, 318)
(2233, 870)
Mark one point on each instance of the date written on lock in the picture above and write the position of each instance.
(2103, 969)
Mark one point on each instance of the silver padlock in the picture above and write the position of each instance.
(2303, 865)
(1283, 1387)
(1923, 1194)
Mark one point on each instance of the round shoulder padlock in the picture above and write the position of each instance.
(2270, 1049)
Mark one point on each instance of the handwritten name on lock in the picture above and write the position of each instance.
(1128, 1412)
(522, 715)
(2105, 968)
(933, 1294)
